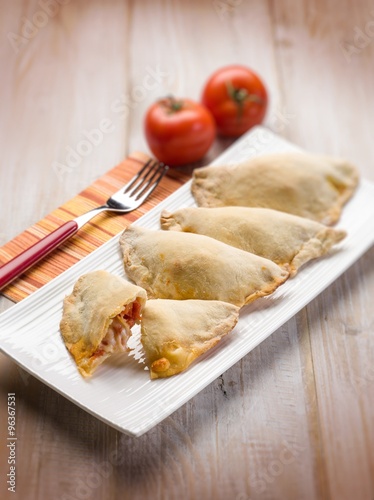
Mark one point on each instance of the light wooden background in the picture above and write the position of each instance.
(295, 418)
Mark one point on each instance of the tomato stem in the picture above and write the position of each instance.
(172, 104)
(240, 96)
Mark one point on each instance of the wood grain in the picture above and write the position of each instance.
(294, 419)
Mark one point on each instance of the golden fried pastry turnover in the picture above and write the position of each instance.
(98, 317)
(176, 265)
(302, 184)
(176, 332)
(288, 240)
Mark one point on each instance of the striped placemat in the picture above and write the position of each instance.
(92, 235)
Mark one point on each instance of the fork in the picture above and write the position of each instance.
(127, 199)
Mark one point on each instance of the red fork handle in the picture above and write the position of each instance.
(23, 261)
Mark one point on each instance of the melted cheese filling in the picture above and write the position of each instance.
(118, 334)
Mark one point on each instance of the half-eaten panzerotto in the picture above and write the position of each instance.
(98, 317)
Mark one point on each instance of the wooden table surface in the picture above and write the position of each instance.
(294, 419)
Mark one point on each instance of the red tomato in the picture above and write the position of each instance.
(179, 131)
(237, 99)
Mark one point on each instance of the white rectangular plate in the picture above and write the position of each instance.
(121, 393)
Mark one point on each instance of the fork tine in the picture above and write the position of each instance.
(140, 178)
(156, 172)
(127, 186)
(160, 172)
